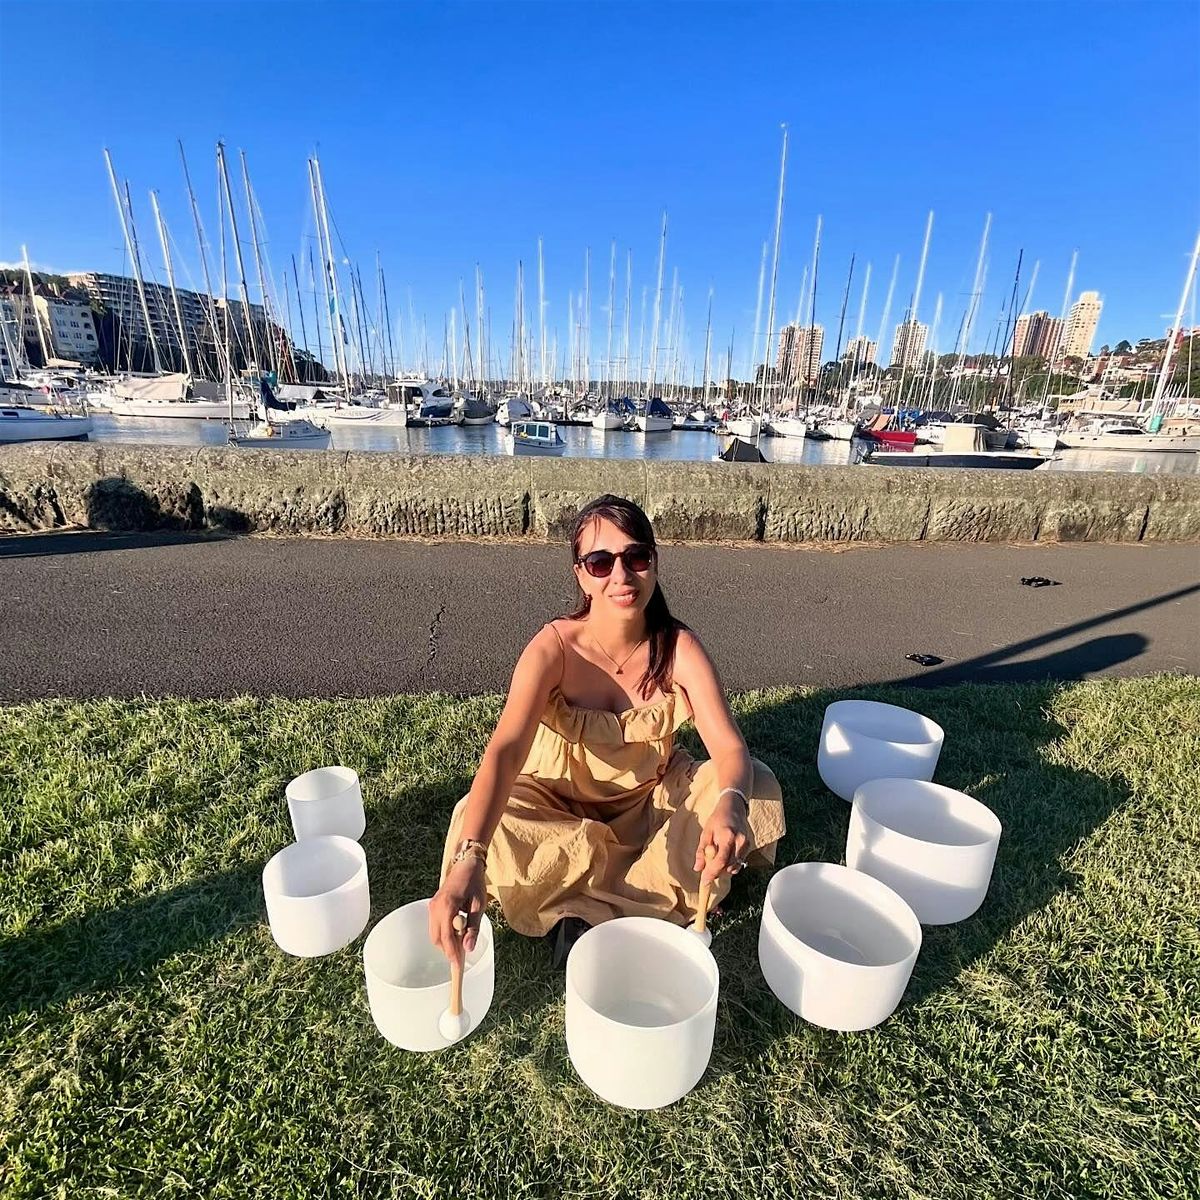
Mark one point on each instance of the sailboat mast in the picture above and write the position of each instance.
(762, 279)
(612, 304)
(628, 317)
(973, 307)
(37, 317)
(300, 309)
(237, 250)
(390, 365)
(336, 329)
(1164, 375)
(166, 250)
(662, 255)
(837, 354)
(312, 279)
(124, 210)
(258, 267)
(210, 303)
(542, 369)
(707, 345)
(774, 268)
(586, 319)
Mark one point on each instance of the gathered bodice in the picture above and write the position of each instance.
(593, 755)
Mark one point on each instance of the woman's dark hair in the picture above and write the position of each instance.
(662, 629)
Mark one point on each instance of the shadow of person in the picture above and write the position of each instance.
(1071, 662)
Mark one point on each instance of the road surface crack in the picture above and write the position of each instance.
(434, 634)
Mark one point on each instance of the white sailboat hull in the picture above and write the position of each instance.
(30, 425)
(187, 410)
(840, 431)
(747, 427)
(647, 424)
(353, 416)
(607, 420)
(793, 427)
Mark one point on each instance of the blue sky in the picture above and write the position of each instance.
(456, 134)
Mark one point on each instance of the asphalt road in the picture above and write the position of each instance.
(92, 614)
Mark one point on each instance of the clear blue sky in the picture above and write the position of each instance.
(452, 134)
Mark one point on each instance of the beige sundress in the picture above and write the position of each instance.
(605, 817)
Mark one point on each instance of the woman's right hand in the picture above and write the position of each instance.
(463, 891)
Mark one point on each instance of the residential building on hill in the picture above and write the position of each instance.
(1081, 325)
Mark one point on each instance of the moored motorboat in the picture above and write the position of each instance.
(1125, 435)
(535, 438)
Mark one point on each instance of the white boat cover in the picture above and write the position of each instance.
(154, 387)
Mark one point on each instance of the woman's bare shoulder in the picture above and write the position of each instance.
(690, 655)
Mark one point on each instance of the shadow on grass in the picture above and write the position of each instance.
(996, 748)
(117, 947)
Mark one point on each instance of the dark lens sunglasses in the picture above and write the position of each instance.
(599, 563)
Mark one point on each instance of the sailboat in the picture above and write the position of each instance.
(20, 421)
(298, 433)
(655, 417)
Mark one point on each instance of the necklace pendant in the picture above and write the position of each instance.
(619, 669)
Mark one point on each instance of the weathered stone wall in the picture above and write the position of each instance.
(110, 486)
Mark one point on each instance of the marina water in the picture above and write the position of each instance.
(585, 442)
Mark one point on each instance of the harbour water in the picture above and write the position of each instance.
(585, 442)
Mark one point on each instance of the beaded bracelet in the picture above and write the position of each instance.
(470, 847)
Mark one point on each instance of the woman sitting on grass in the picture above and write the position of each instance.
(582, 808)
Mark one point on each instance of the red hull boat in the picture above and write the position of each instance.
(905, 438)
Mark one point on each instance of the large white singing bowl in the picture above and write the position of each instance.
(408, 979)
(933, 845)
(641, 1011)
(326, 801)
(317, 894)
(836, 946)
(863, 739)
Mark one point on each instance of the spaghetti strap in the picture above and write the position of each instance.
(562, 649)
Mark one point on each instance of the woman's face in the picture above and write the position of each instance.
(624, 593)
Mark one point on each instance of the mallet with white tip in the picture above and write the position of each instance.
(454, 1023)
(700, 925)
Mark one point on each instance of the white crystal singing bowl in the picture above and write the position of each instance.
(317, 894)
(327, 800)
(863, 739)
(641, 1011)
(408, 979)
(933, 845)
(836, 946)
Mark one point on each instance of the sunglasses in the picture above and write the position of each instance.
(599, 563)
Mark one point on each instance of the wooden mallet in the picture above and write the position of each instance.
(454, 1023)
(700, 926)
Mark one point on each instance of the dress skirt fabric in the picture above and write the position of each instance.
(605, 818)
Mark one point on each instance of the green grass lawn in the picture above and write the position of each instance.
(153, 1040)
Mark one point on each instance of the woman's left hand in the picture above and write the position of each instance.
(728, 832)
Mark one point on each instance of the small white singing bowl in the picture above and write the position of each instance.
(836, 946)
(327, 800)
(641, 1011)
(863, 739)
(317, 893)
(933, 845)
(408, 979)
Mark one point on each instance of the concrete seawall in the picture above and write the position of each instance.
(129, 487)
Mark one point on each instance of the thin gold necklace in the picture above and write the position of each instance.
(619, 665)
